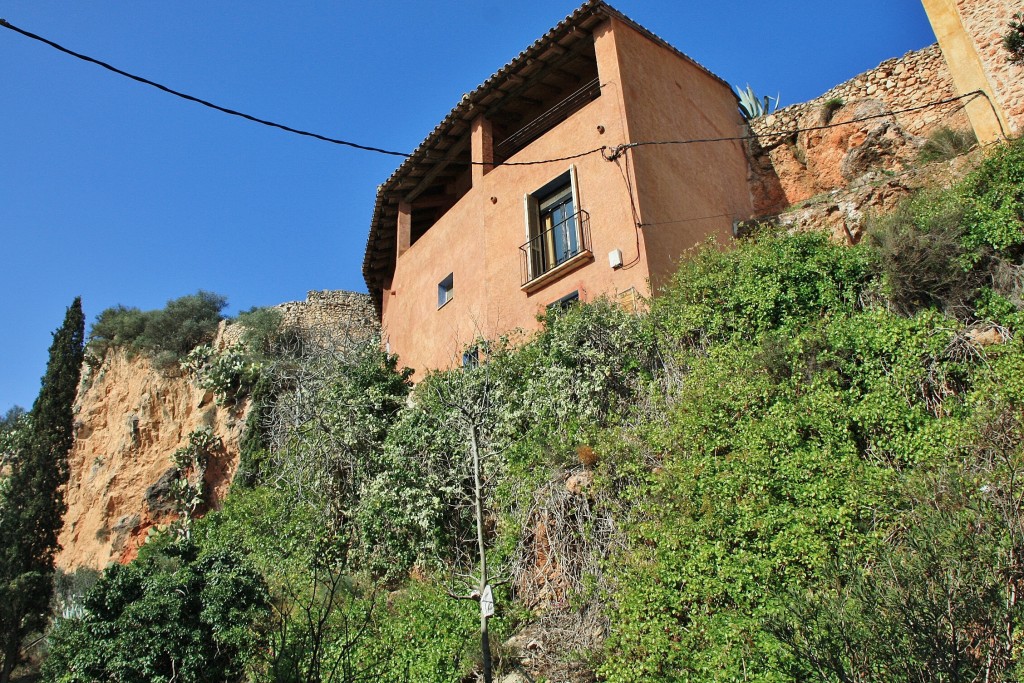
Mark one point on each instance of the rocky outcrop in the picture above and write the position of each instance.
(845, 212)
(132, 417)
(130, 420)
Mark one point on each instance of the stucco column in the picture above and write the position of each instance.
(482, 151)
(404, 237)
(986, 114)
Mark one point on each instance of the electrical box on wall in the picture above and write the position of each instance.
(615, 258)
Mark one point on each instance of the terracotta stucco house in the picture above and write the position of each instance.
(470, 238)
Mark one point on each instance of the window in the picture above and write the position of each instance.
(444, 290)
(471, 357)
(565, 302)
(556, 227)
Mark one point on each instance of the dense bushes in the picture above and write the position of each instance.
(802, 464)
(834, 496)
(167, 334)
(173, 614)
(953, 248)
(777, 281)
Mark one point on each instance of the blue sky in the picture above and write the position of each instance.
(122, 194)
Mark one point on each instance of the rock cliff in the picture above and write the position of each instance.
(130, 419)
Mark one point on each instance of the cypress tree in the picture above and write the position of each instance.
(32, 497)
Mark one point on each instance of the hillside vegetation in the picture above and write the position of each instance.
(803, 463)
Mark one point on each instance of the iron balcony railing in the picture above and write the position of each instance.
(555, 246)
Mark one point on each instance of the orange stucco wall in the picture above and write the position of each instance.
(478, 240)
(685, 192)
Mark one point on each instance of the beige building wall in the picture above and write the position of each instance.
(970, 33)
(685, 193)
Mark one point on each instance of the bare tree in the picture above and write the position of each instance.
(468, 398)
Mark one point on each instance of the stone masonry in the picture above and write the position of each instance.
(326, 316)
(904, 82)
(887, 123)
(986, 22)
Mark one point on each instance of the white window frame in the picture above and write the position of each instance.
(445, 290)
(531, 209)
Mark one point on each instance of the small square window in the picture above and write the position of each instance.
(445, 290)
(565, 302)
(471, 357)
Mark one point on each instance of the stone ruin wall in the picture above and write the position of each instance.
(328, 316)
(987, 22)
(791, 168)
(900, 83)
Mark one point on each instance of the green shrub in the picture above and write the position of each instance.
(1013, 40)
(919, 252)
(166, 334)
(173, 614)
(830, 107)
(994, 197)
(12, 419)
(766, 478)
(264, 333)
(254, 447)
(117, 327)
(230, 374)
(945, 143)
(945, 248)
(773, 281)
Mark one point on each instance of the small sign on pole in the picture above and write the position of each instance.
(487, 602)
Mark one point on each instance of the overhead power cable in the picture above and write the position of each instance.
(609, 153)
(190, 98)
(614, 152)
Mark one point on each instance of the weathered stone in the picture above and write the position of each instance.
(986, 337)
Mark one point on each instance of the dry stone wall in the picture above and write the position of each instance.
(905, 82)
(329, 317)
(892, 97)
(986, 22)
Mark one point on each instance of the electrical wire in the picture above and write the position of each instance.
(609, 153)
(265, 122)
(190, 98)
(616, 151)
(685, 220)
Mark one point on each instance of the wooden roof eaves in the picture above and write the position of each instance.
(587, 16)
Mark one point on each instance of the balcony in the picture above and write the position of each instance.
(559, 249)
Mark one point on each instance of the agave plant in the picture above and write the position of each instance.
(751, 106)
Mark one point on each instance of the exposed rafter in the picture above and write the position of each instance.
(453, 151)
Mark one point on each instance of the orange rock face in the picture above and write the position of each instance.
(130, 420)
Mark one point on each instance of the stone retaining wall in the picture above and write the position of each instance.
(789, 167)
(328, 316)
(904, 82)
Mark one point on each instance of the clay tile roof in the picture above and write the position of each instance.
(587, 15)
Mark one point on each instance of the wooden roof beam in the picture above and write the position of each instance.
(546, 67)
(437, 168)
